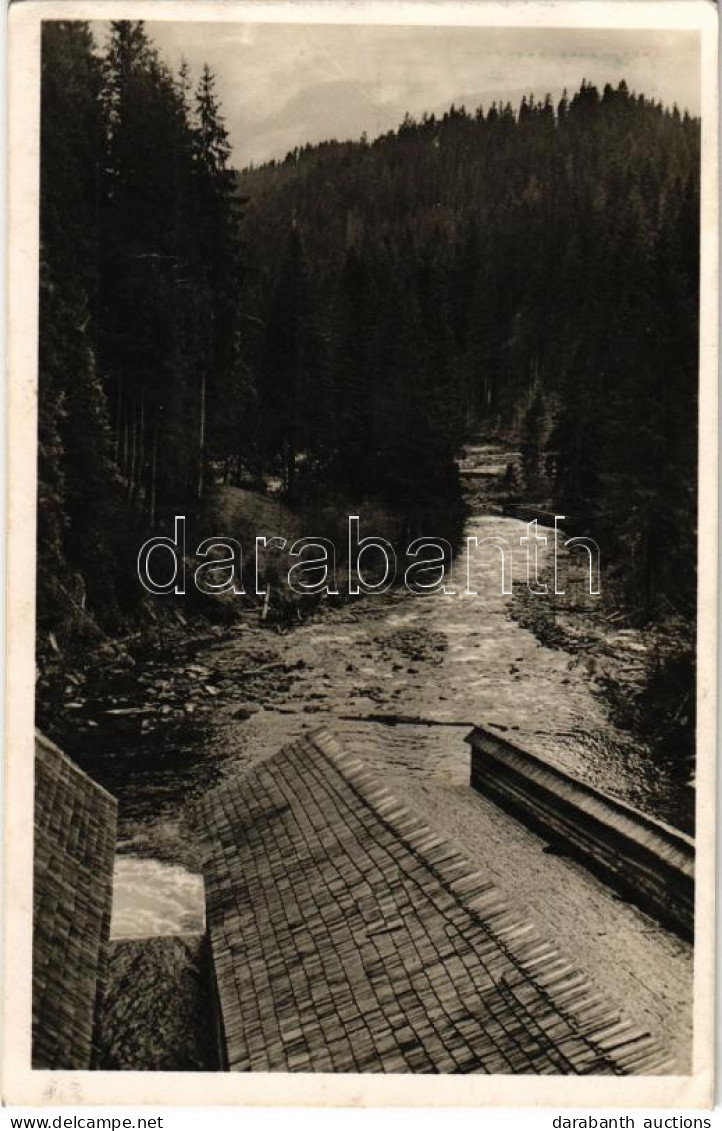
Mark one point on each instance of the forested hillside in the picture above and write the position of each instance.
(530, 272)
(343, 320)
(139, 296)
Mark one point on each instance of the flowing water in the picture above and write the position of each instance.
(399, 677)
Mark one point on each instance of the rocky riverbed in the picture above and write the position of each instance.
(399, 678)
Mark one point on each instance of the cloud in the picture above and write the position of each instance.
(282, 85)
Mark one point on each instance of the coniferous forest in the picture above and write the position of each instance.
(341, 321)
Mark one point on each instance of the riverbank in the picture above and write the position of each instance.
(349, 669)
(399, 678)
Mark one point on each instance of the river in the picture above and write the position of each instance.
(399, 677)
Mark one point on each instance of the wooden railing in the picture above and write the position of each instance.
(648, 862)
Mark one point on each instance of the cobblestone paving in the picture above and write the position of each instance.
(75, 823)
(347, 936)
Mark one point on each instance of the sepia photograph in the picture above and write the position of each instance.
(369, 434)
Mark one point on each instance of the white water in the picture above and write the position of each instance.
(348, 670)
(152, 898)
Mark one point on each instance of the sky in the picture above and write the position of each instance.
(282, 85)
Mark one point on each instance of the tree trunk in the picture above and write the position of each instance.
(124, 464)
(202, 438)
(133, 453)
(116, 422)
(153, 477)
(141, 449)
